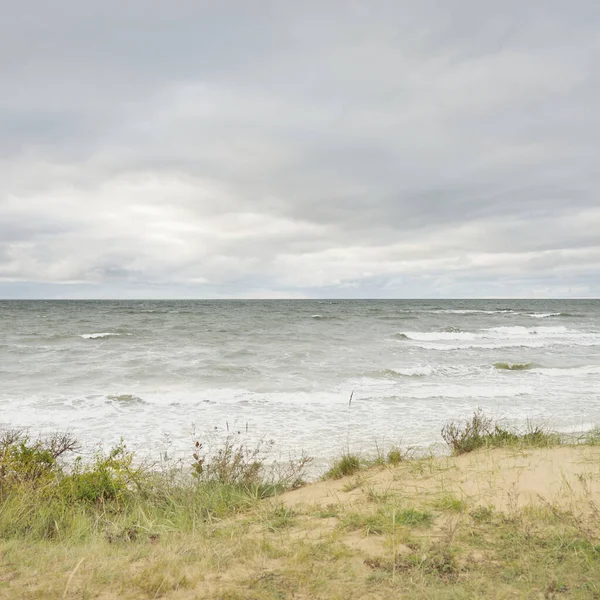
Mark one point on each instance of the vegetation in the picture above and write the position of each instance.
(428, 527)
(346, 465)
(481, 431)
(43, 497)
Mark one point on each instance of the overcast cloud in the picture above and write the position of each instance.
(299, 149)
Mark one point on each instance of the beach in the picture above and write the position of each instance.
(300, 449)
(496, 523)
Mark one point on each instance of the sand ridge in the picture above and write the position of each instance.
(501, 478)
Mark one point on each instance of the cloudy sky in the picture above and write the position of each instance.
(299, 149)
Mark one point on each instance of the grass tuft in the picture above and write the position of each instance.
(395, 456)
(347, 465)
(480, 431)
(448, 502)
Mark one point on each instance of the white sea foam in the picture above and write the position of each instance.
(519, 330)
(426, 336)
(522, 343)
(492, 333)
(95, 336)
(416, 371)
(261, 363)
(480, 346)
(472, 311)
(569, 372)
(368, 388)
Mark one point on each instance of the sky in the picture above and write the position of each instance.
(273, 149)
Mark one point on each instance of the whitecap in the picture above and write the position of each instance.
(472, 311)
(568, 371)
(492, 333)
(519, 330)
(417, 371)
(522, 343)
(426, 336)
(95, 336)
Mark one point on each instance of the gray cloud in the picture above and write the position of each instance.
(275, 149)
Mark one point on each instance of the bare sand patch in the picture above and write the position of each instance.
(504, 479)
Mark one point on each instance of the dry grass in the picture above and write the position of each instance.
(496, 523)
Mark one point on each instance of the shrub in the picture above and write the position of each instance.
(32, 462)
(234, 464)
(468, 436)
(108, 477)
(240, 465)
(109, 495)
(481, 431)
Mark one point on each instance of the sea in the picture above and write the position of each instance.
(313, 376)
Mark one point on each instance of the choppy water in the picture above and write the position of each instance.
(143, 370)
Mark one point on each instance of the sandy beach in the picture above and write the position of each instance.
(495, 523)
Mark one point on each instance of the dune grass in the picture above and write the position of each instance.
(481, 431)
(44, 498)
(112, 528)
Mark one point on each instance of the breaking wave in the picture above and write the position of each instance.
(507, 366)
(96, 336)
(126, 399)
(419, 371)
(400, 336)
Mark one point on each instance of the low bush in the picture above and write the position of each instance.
(481, 431)
(27, 461)
(44, 497)
(109, 477)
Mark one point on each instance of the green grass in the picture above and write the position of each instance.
(592, 437)
(450, 503)
(280, 517)
(109, 527)
(395, 456)
(346, 465)
(481, 431)
(386, 518)
(111, 497)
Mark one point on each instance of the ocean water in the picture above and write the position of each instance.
(160, 374)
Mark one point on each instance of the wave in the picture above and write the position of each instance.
(568, 371)
(423, 370)
(549, 371)
(501, 311)
(499, 345)
(126, 399)
(473, 311)
(492, 333)
(519, 330)
(95, 336)
(507, 366)
(400, 336)
(418, 371)
(541, 315)
(448, 391)
(426, 336)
